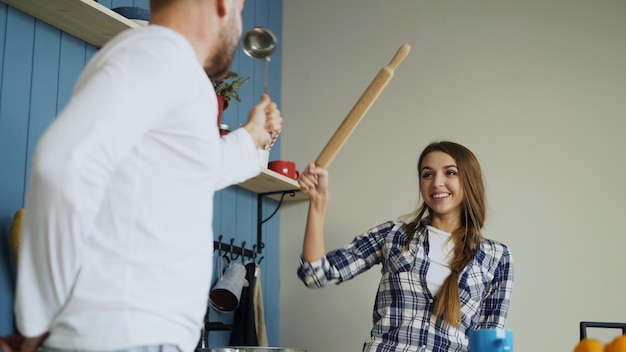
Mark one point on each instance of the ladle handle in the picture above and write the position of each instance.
(361, 107)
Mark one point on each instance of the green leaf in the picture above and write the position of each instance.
(227, 87)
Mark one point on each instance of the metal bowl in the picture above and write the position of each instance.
(133, 13)
(255, 349)
(136, 14)
(259, 43)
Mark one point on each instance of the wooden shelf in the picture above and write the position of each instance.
(85, 19)
(269, 181)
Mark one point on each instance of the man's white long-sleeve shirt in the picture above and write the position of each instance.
(117, 241)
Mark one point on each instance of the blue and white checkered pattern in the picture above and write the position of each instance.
(403, 313)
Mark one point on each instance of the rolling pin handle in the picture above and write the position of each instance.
(399, 56)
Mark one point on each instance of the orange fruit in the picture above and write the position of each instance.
(617, 345)
(589, 345)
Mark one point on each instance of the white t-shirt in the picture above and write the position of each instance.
(439, 255)
(117, 241)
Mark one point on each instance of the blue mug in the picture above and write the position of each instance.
(490, 340)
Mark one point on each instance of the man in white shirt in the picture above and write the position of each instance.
(117, 242)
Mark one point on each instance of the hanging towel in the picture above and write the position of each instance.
(244, 330)
(259, 315)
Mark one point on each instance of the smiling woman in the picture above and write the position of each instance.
(429, 295)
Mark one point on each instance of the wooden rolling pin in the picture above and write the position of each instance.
(359, 109)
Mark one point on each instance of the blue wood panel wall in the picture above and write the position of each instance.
(38, 68)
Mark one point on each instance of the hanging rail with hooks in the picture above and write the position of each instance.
(233, 250)
(230, 247)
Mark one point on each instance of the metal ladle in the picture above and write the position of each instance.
(260, 43)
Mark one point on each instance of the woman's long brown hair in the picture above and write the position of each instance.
(467, 236)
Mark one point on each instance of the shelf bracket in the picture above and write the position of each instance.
(261, 221)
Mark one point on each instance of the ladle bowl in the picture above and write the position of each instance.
(259, 43)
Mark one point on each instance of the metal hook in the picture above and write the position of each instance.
(219, 245)
(243, 251)
(232, 250)
(255, 255)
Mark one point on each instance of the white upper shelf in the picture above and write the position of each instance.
(85, 19)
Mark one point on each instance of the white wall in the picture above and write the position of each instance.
(536, 88)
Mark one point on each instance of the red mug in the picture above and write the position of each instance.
(287, 168)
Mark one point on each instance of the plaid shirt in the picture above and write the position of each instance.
(403, 313)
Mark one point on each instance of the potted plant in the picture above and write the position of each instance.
(226, 88)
